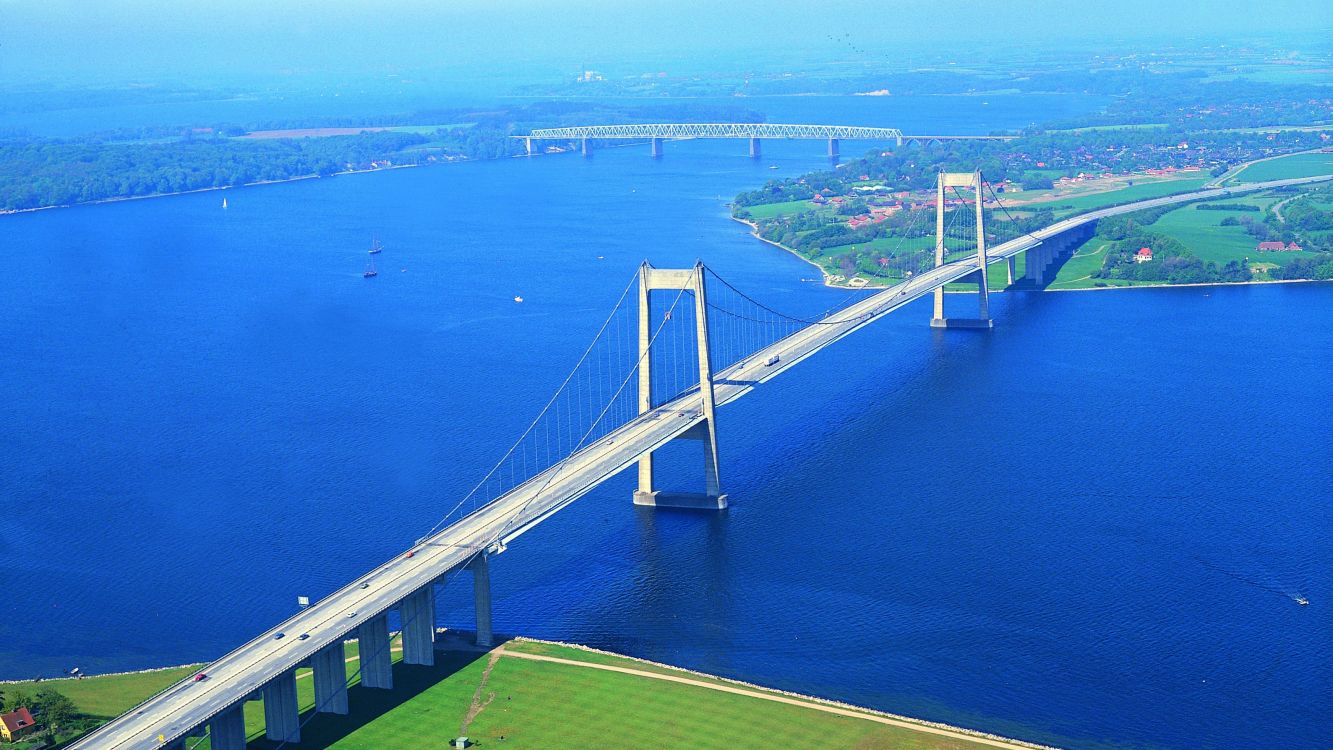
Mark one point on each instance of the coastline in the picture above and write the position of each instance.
(754, 232)
(119, 199)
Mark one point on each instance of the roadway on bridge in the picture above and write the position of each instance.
(188, 705)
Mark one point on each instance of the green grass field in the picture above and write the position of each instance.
(1286, 167)
(769, 210)
(516, 703)
(1199, 231)
(1141, 191)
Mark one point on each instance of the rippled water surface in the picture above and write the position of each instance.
(1086, 526)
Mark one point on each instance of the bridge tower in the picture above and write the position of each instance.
(962, 180)
(691, 280)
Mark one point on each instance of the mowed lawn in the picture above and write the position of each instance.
(510, 702)
(1287, 167)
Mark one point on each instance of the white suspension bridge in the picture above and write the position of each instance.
(756, 133)
(679, 344)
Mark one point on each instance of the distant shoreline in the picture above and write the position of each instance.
(754, 232)
(120, 199)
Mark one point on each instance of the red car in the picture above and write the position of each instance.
(200, 677)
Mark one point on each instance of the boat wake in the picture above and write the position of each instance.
(1295, 597)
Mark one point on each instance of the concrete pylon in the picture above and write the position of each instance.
(372, 641)
(962, 180)
(481, 597)
(675, 280)
(586, 147)
(282, 714)
(417, 612)
(756, 149)
(226, 731)
(330, 675)
(1011, 265)
(657, 148)
(528, 143)
(833, 148)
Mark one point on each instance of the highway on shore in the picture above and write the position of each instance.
(184, 708)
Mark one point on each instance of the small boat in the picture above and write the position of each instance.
(518, 299)
(1302, 601)
(370, 270)
(375, 246)
(224, 202)
(772, 166)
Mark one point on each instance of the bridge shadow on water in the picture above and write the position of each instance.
(368, 704)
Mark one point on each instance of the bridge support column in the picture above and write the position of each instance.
(586, 147)
(1011, 265)
(705, 431)
(657, 148)
(282, 714)
(1036, 264)
(756, 149)
(417, 612)
(982, 321)
(330, 675)
(833, 148)
(375, 651)
(226, 731)
(481, 598)
(527, 142)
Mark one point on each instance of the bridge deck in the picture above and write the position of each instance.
(238, 675)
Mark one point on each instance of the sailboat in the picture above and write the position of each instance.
(375, 246)
(224, 202)
(370, 270)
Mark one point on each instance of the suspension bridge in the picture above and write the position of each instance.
(679, 344)
(756, 133)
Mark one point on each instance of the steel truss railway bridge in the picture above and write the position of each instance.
(586, 135)
(625, 399)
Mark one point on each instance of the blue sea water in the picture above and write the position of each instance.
(1086, 527)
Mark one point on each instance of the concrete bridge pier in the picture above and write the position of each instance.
(657, 148)
(527, 142)
(1011, 265)
(481, 597)
(586, 147)
(226, 731)
(373, 646)
(1035, 264)
(330, 675)
(282, 714)
(756, 150)
(417, 612)
(833, 148)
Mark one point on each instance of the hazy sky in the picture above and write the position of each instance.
(166, 39)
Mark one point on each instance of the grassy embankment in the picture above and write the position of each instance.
(1285, 167)
(544, 704)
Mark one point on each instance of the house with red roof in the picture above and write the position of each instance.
(16, 724)
(1276, 247)
(1143, 255)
